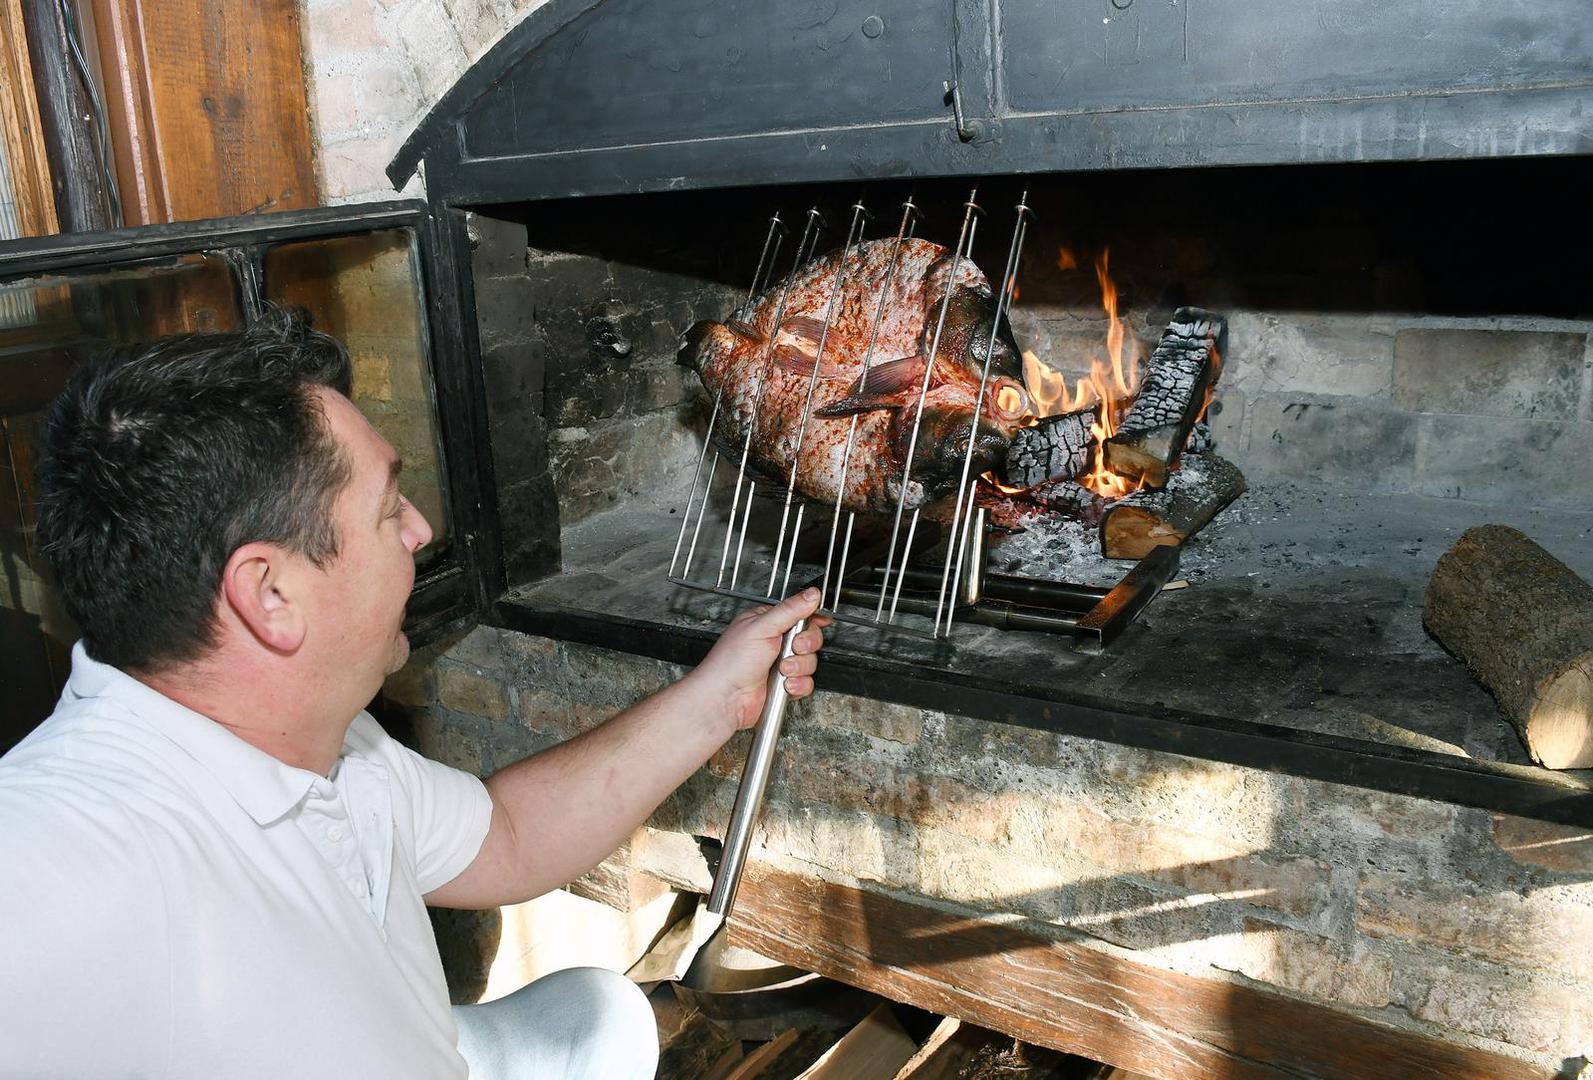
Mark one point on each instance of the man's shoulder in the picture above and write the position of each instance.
(90, 779)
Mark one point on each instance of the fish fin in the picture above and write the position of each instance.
(742, 329)
(858, 403)
(805, 327)
(794, 359)
(891, 377)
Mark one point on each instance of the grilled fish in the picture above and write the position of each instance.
(799, 387)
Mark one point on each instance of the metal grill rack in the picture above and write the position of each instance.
(920, 580)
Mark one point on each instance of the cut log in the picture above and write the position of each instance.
(1170, 399)
(1522, 621)
(1195, 493)
(1057, 448)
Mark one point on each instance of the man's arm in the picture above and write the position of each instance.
(557, 814)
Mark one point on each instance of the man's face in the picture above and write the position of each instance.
(358, 610)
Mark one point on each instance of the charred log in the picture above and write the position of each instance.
(1522, 621)
(1068, 497)
(1057, 448)
(1149, 518)
(1181, 370)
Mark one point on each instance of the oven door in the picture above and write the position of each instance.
(370, 275)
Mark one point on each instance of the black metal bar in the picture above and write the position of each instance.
(986, 612)
(1254, 133)
(45, 254)
(1120, 607)
(1510, 789)
(462, 400)
(1011, 588)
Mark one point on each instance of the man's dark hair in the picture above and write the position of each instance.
(161, 460)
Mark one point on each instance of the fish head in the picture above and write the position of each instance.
(941, 446)
(972, 332)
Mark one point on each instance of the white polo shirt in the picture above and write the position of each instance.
(176, 903)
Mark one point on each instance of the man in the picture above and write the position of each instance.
(215, 863)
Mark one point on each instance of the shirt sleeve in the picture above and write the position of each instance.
(444, 811)
(83, 944)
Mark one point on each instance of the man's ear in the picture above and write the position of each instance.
(258, 585)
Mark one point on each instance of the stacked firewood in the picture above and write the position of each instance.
(1175, 496)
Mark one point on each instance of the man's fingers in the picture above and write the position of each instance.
(799, 686)
(788, 612)
(799, 665)
(808, 641)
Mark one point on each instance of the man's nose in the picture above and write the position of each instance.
(417, 530)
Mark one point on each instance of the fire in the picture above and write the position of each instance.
(1109, 384)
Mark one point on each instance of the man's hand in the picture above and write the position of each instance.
(736, 671)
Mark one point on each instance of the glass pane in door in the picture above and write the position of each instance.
(364, 290)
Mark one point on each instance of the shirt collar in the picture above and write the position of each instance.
(265, 787)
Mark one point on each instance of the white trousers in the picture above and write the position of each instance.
(570, 1025)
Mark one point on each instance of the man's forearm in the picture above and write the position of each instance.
(558, 813)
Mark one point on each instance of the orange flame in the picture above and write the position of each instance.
(1109, 385)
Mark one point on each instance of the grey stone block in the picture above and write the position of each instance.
(497, 247)
(1308, 354)
(1526, 373)
(1586, 409)
(1346, 443)
(505, 311)
(1516, 462)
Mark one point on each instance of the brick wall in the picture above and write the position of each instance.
(375, 68)
(1460, 923)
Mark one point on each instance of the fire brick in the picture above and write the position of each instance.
(1523, 373)
(1528, 932)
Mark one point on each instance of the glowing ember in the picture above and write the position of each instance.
(1110, 383)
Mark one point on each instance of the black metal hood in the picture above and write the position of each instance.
(592, 97)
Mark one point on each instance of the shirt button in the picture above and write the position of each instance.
(335, 834)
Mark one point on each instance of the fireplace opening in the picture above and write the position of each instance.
(1407, 357)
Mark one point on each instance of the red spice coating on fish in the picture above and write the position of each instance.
(816, 383)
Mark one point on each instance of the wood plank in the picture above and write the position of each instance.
(130, 111)
(19, 126)
(873, 1050)
(207, 105)
(1066, 995)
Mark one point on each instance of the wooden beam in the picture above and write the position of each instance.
(1083, 1000)
(77, 182)
(19, 126)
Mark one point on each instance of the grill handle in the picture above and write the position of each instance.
(754, 778)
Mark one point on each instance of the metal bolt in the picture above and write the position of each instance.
(873, 26)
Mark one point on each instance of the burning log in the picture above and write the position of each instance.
(1149, 518)
(1195, 493)
(1522, 621)
(1170, 400)
(1057, 448)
